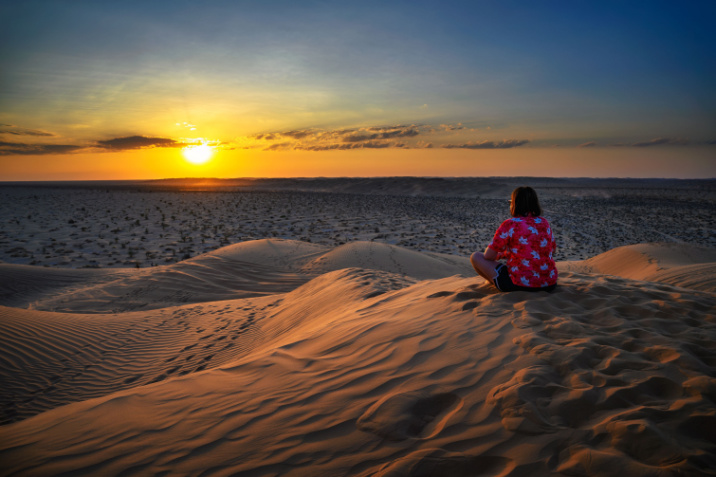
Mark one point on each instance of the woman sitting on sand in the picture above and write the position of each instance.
(527, 244)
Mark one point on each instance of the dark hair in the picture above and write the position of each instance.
(524, 202)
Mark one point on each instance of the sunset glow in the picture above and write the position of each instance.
(107, 90)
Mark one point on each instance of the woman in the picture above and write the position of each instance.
(526, 243)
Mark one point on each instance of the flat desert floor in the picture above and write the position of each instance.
(335, 327)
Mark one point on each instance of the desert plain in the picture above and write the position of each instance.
(311, 327)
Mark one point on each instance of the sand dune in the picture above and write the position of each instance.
(249, 269)
(295, 359)
(389, 258)
(681, 265)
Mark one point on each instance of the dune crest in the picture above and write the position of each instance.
(373, 361)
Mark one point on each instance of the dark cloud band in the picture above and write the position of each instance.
(662, 141)
(506, 144)
(22, 149)
(17, 131)
(138, 142)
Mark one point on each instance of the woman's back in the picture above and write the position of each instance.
(527, 244)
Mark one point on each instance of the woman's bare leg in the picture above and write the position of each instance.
(484, 267)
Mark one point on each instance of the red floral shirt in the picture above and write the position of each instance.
(527, 243)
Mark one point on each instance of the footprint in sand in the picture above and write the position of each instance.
(464, 295)
(404, 416)
(467, 295)
(440, 294)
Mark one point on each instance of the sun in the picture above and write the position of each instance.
(198, 154)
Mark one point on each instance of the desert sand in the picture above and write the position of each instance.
(151, 223)
(278, 356)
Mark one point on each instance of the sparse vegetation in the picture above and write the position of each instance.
(201, 222)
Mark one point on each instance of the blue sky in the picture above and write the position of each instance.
(482, 75)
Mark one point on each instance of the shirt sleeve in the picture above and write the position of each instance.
(500, 240)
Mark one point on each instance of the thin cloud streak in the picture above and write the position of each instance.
(504, 144)
(662, 141)
(374, 137)
(138, 142)
(18, 131)
(23, 149)
(108, 145)
(411, 132)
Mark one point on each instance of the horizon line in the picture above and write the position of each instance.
(258, 178)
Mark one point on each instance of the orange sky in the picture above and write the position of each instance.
(115, 90)
(550, 162)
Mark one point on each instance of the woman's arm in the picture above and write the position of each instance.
(485, 264)
(490, 254)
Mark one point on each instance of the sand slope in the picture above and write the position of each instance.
(680, 265)
(249, 269)
(365, 371)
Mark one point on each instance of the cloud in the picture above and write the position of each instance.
(138, 142)
(662, 141)
(380, 145)
(298, 134)
(384, 133)
(18, 131)
(452, 127)
(15, 148)
(588, 144)
(189, 126)
(295, 134)
(335, 146)
(108, 145)
(505, 144)
(403, 136)
(373, 137)
(279, 146)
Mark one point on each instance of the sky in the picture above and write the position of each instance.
(154, 89)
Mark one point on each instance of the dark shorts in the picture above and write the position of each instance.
(503, 282)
